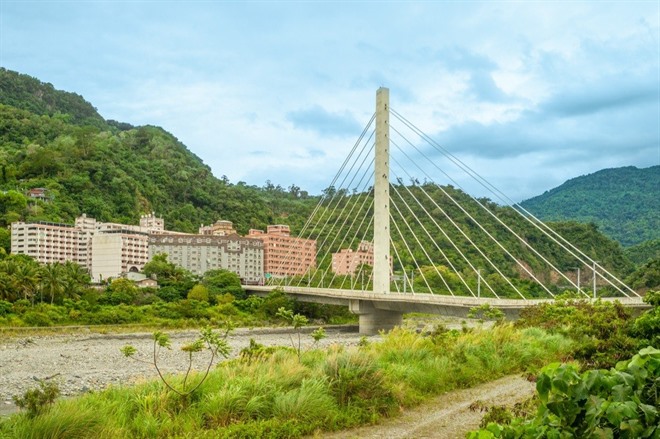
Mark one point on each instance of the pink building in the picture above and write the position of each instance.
(285, 255)
(347, 261)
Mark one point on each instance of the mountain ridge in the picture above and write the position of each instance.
(623, 202)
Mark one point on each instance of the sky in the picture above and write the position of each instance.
(527, 94)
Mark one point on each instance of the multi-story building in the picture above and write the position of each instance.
(220, 228)
(53, 242)
(285, 255)
(118, 251)
(48, 242)
(203, 252)
(347, 261)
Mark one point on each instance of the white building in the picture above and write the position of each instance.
(118, 251)
(104, 249)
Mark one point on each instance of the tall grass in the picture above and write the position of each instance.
(278, 395)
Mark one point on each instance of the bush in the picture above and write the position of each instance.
(21, 306)
(274, 301)
(109, 316)
(601, 330)
(622, 402)
(193, 309)
(199, 292)
(169, 294)
(36, 318)
(5, 308)
(38, 400)
(647, 326)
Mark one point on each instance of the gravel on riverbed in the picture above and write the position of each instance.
(86, 361)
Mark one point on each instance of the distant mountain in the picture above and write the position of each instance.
(623, 202)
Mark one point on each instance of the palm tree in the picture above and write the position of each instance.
(8, 289)
(75, 279)
(26, 280)
(52, 280)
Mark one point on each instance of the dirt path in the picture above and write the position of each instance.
(447, 416)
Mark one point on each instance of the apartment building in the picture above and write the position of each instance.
(118, 251)
(347, 261)
(285, 255)
(125, 246)
(48, 242)
(200, 253)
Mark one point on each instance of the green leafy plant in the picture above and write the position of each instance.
(622, 402)
(486, 312)
(209, 340)
(38, 400)
(297, 321)
(318, 335)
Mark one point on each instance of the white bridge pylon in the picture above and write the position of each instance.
(431, 238)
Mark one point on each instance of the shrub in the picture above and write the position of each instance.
(199, 292)
(21, 306)
(193, 309)
(5, 308)
(36, 318)
(113, 315)
(622, 402)
(169, 294)
(39, 399)
(647, 326)
(601, 330)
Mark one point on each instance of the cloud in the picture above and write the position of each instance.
(484, 88)
(608, 95)
(325, 123)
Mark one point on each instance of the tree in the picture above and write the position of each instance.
(199, 292)
(52, 280)
(26, 280)
(221, 282)
(76, 278)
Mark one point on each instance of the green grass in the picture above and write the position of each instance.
(278, 396)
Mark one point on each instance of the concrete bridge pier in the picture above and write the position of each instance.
(372, 319)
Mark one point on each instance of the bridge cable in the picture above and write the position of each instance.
(479, 224)
(428, 234)
(528, 216)
(396, 252)
(327, 248)
(412, 256)
(354, 217)
(444, 233)
(421, 246)
(472, 243)
(290, 254)
(336, 177)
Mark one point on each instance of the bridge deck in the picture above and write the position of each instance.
(337, 296)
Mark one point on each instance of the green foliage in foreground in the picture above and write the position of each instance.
(602, 331)
(213, 342)
(38, 400)
(622, 402)
(276, 395)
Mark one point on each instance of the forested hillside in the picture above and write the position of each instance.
(113, 171)
(623, 202)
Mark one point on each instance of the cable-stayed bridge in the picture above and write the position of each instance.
(404, 243)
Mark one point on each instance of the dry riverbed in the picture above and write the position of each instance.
(82, 362)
